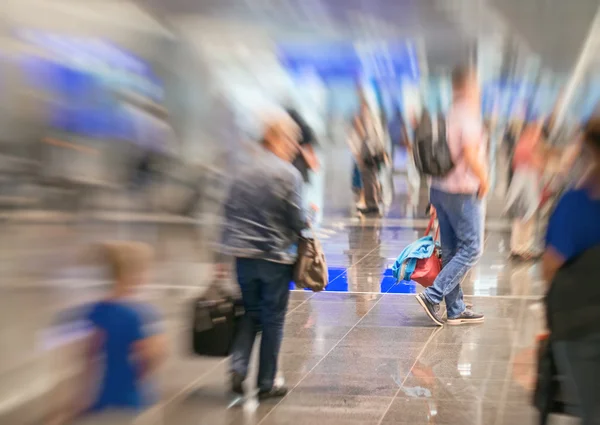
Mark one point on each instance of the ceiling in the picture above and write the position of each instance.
(553, 30)
(328, 20)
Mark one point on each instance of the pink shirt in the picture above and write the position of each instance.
(525, 152)
(463, 123)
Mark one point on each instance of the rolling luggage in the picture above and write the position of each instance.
(215, 317)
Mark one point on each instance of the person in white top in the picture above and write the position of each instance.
(457, 199)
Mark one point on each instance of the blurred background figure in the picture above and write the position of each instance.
(126, 344)
(573, 234)
(402, 152)
(526, 188)
(306, 160)
(367, 146)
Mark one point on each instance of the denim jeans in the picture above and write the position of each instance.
(579, 362)
(461, 231)
(265, 291)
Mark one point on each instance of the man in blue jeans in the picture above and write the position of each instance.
(263, 220)
(457, 198)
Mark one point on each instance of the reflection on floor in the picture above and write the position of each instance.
(360, 256)
(362, 352)
(375, 359)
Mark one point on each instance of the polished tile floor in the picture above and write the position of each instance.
(362, 352)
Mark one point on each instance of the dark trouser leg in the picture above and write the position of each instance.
(579, 362)
(371, 187)
(275, 282)
(250, 323)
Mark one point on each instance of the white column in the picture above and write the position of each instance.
(589, 50)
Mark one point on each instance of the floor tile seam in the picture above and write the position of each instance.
(433, 333)
(348, 268)
(289, 313)
(318, 363)
(515, 297)
(163, 405)
(337, 277)
(504, 394)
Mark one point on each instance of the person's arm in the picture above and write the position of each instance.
(552, 260)
(150, 342)
(296, 217)
(354, 142)
(405, 139)
(560, 237)
(471, 147)
(151, 352)
(359, 128)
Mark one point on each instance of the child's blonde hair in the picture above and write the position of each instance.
(125, 258)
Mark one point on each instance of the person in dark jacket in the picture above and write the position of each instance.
(306, 160)
(263, 221)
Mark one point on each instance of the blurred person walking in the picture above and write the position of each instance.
(458, 201)
(306, 160)
(571, 264)
(402, 151)
(367, 147)
(263, 221)
(126, 344)
(525, 191)
(511, 136)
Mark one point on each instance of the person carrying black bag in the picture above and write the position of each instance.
(264, 219)
(571, 264)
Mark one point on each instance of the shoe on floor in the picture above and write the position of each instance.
(237, 383)
(275, 392)
(467, 317)
(432, 310)
(468, 306)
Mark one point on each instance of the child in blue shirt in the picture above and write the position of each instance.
(126, 344)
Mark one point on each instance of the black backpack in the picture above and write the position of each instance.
(430, 150)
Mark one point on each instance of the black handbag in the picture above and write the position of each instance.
(215, 318)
